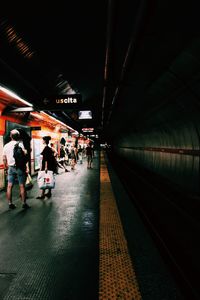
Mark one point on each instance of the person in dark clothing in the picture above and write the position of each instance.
(48, 163)
(89, 154)
(73, 156)
(80, 154)
(55, 153)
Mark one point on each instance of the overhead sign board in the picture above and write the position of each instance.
(87, 129)
(84, 114)
(62, 102)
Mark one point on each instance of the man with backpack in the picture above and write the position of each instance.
(15, 165)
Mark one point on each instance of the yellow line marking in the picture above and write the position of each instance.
(117, 279)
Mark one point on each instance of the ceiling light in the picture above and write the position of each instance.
(58, 121)
(10, 93)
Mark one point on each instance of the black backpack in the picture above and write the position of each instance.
(20, 157)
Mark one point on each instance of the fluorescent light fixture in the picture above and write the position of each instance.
(58, 121)
(10, 93)
(85, 114)
(37, 115)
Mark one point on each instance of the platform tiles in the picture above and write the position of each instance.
(117, 278)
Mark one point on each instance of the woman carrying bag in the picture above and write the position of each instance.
(49, 167)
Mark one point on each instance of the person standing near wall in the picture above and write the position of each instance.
(12, 169)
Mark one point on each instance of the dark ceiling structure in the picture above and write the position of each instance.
(125, 58)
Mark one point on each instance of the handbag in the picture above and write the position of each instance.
(29, 182)
(46, 180)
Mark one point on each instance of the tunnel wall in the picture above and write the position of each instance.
(169, 144)
(160, 128)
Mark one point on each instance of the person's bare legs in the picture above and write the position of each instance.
(9, 192)
(42, 196)
(23, 195)
(9, 195)
(22, 192)
(48, 194)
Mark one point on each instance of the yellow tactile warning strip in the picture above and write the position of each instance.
(117, 279)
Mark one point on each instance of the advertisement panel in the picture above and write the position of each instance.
(37, 148)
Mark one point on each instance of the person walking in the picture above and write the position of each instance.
(73, 156)
(14, 168)
(55, 153)
(48, 163)
(80, 154)
(63, 159)
(89, 154)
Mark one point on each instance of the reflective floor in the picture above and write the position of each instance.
(50, 251)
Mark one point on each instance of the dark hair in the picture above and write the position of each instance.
(46, 139)
(14, 134)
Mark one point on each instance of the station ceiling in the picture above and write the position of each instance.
(125, 58)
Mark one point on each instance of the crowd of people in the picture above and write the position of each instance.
(51, 160)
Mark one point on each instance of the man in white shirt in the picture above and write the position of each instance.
(12, 171)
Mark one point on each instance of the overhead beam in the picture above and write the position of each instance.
(131, 50)
(107, 57)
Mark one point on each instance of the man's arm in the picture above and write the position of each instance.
(55, 152)
(27, 167)
(5, 162)
(22, 146)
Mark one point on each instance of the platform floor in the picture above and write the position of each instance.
(51, 251)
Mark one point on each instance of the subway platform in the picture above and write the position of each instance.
(86, 242)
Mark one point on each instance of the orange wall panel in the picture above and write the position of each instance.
(2, 126)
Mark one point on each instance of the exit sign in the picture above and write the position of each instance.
(62, 102)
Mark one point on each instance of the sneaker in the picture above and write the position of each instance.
(25, 205)
(12, 206)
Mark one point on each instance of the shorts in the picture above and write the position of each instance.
(14, 173)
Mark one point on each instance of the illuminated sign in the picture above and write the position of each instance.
(87, 129)
(67, 100)
(62, 102)
(85, 114)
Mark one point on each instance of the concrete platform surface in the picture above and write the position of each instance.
(50, 251)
